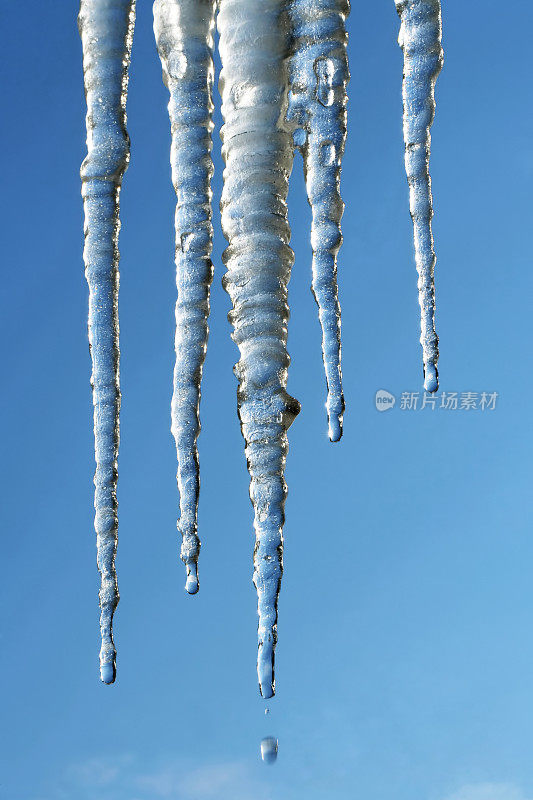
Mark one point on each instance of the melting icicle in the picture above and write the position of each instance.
(420, 39)
(106, 30)
(257, 150)
(318, 75)
(184, 35)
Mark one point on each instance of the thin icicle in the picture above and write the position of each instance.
(318, 76)
(184, 36)
(420, 39)
(106, 29)
(257, 149)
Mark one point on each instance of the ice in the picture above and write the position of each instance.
(258, 153)
(283, 85)
(318, 76)
(106, 29)
(420, 39)
(184, 36)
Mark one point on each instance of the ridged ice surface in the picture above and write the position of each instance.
(106, 29)
(420, 39)
(257, 149)
(318, 75)
(184, 36)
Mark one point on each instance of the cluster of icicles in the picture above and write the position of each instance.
(283, 86)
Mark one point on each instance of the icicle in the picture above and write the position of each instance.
(318, 75)
(184, 35)
(106, 29)
(257, 150)
(420, 40)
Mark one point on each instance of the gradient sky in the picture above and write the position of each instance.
(405, 656)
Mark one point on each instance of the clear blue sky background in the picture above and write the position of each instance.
(405, 657)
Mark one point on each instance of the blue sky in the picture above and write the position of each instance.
(404, 666)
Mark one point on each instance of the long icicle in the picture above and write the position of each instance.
(184, 36)
(257, 149)
(318, 76)
(420, 39)
(106, 29)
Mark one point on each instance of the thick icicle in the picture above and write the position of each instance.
(257, 149)
(184, 36)
(420, 39)
(318, 76)
(106, 29)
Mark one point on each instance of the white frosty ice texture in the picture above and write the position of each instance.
(106, 29)
(184, 36)
(318, 76)
(420, 39)
(258, 153)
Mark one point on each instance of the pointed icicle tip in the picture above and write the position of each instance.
(108, 673)
(192, 584)
(265, 654)
(267, 689)
(431, 378)
(335, 428)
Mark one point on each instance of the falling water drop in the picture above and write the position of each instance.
(269, 749)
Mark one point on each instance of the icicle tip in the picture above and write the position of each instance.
(267, 690)
(192, 584)
(108, 672)
(265, 665)
(431, 378)
(335, 427)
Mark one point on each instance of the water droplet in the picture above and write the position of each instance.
(269, 749)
